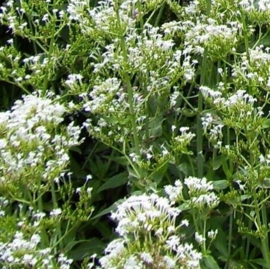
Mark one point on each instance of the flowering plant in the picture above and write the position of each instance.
(156, 110)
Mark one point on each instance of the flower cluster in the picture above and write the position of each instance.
(202, 36)
(30, 144)
(24, 252)
(149, 236)
(200, 192)
(174, 192)
(34, 155)
(143, 77)
(148, 231)
(236, 111)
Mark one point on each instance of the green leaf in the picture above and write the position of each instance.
(189, 112)
(158, 174)
(225, 167)
(69, 240)
(266, 124)
(132, 174)
(261, 262)
(210, 263)
(76, 149)
(184, 206)
(265, 183)
(254, 241)
(114, 182)
(114, 120)
(184, 168)
(155, 126)
(98, 167)
(107, 210)
(86, 248)
(217, 163)
(104, 229)
(220, 184)
(121, 160)
(76, 168)
(245, 197)
(235, 265)
(265, 41)
(221, 246)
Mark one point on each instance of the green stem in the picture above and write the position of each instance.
(55, 206)
(131, 163)
(203, 81)
(46, 81)
(147, 129)
(195, 221)
(160, 14)
(131, 106)
(193, 173)
(208, 7)
(245, 30)
(249, 225)
(230, 240)
(18, 85)
(128, 85)
(44, 242)
(228, 143)
(204, 235)
(264, 238)
(30, 19)
(200, 159)
(140, 9)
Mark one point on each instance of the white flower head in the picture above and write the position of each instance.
(56, 212)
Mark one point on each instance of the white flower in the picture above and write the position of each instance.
(173, 242)
(212, 234)
(88, 177)
(191, 256)
(171, 229)
(146, 257)
(207, 92)
(199, 184)
(35, 238)
(73, 78)
(133, 263)
(3, 143)
(184, 129)
(210, 200)
(174, 192)
(184, 223)
(199, 238)
(56, 212)
(169, 262)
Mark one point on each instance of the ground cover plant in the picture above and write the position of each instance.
(134, 134)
